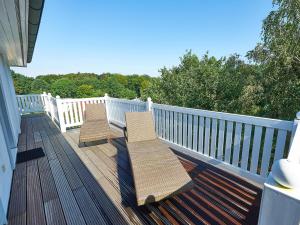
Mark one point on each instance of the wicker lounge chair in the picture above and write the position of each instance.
(95, 126)
(157, 172)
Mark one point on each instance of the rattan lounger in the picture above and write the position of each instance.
(157, 172)
(95, 126)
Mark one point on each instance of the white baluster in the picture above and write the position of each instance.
(60, 114)
(149, 104)
(51, 107)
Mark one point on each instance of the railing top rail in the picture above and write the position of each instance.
(137, 102)
(29, 95)
(259, 121)
(64, 100)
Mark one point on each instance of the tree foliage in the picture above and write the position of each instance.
(64, 87)
(85, 91)
(209, 83)
(279, 57)
(22, 83)
(39, 86)
(82, 85)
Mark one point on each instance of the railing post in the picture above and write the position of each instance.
(60, 112)
(149, 104)
(280, 204)
(106, 98)
(47, 104)
(294, 152)
(51, 108)
(45, 101)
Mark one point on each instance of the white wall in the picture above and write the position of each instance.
(5, 175)
(14, 31)
(9, 133)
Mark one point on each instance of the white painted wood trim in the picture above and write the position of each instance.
(260, 121)
(279, 205)
(294, 152)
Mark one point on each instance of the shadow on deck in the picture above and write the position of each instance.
(93, 185)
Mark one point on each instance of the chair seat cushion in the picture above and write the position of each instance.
(94, 131)
(140, 126)
(157, 171)
(95, 112)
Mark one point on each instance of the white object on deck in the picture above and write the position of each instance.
(279, 205)
(287, 173)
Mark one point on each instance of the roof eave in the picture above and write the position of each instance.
(34, 19)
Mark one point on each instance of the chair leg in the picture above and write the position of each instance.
(109, 138)
(81, 144)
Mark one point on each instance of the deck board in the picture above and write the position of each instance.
(93, 185)
(88, 207)
(54, 213)
(35, 208)
(17, 206)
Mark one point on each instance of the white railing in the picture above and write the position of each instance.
(31, 103)
(117, 107)
(38, 103)
(51, 108)
(71, 111)
(250, 143)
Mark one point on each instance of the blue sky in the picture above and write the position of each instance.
(139, 36)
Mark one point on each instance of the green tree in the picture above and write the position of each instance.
(38, 86)
(98, 93)
(193, 83)
(251, 100)
(134, 84)
(126, 93)
(111, 86)
(226, 84)
(50, 78)
(121, 79)
(64, 88)
(91, 81)
(83, 84)
(234, 75)
(85, 91)
(153, 90)
(279, 57)
(22, 83)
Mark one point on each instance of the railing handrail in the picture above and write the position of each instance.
(81, 99)
(254, 120)
(133, 101)
(29, 95)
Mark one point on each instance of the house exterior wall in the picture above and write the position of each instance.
(19, 27)
(9, 132)
(14, 31)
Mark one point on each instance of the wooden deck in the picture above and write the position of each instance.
(93, 185)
